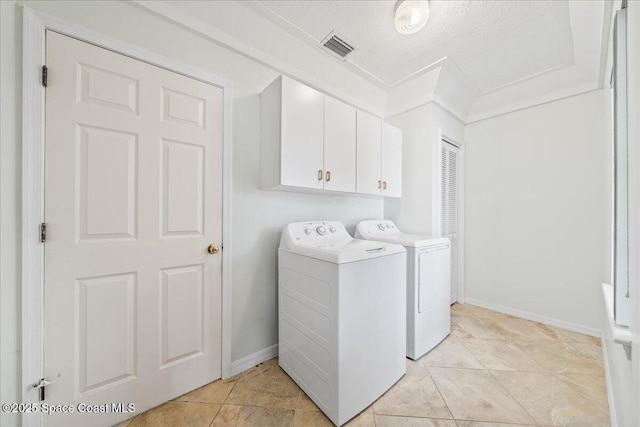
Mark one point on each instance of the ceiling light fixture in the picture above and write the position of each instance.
(411, 16)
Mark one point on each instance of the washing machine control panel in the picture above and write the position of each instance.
(318, 231)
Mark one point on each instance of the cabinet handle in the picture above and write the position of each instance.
(328, 176)
(384, 185)
(320, 175)
(379, 184)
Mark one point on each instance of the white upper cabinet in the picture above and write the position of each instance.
(339, 146)
(301, 140)
(369, 152)
(292, 125)
(312, 141)
(379, 154)
(391, 161)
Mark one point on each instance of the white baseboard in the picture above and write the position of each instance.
(253, 359)
(536, 318)
(607, 376)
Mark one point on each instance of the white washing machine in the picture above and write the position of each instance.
(428, 272)
(341, 316)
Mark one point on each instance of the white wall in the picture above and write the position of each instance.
(420, 203)
(535, 185)
(624, 373)
(258, 216)
(412, 213)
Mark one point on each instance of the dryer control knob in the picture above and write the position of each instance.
(308, 231)
(381, 226)
(332, 229)
(321, 230)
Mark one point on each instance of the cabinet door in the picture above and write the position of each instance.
(391, 161)
(369, 134)
(302, 135)
(339, 146)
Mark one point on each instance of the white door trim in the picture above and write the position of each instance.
(35, 24)
(436, 214)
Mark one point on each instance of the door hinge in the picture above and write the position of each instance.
(44, 75)
(43, 232)
(40, 385)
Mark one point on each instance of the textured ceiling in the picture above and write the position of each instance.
(491, 43)
(476, 58)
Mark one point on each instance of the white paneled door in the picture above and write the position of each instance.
(133, 201)
(449, 203)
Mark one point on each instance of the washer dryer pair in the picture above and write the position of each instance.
(342, 316)
(428, 283)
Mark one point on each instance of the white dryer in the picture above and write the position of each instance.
(428, 272)
(341, 316)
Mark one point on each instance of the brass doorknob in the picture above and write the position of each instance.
(212, 249)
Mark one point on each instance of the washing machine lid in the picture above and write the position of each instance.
(330, 241)
(386, 231)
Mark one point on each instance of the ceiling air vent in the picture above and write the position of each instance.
(338, 45)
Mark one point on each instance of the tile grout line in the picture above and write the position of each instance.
(224, 401)
(461, 340)
(544, 369)
(440, 393)
(493, 376)
(416, 417)
(373, 405)
(500, 384)
(562, 377)
(215, 416)
(513, 397)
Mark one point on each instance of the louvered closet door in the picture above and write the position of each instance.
(449, 170)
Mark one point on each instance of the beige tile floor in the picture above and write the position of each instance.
(494, 370)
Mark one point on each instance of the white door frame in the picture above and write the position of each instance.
(35, 24)
(436, 215)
